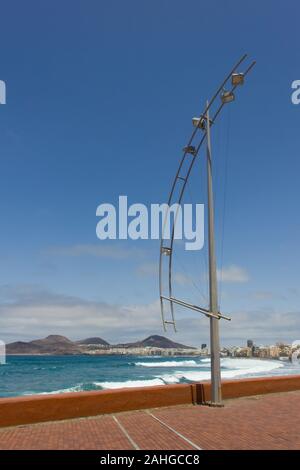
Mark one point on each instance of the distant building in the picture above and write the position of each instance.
(279, 351)
(203, 346)
(274, 352)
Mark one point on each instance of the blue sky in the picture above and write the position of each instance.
(100, 97)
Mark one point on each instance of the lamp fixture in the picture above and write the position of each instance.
(227, 97)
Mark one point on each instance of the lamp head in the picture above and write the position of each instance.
(237, 79)
(198, 122)
(227, 97)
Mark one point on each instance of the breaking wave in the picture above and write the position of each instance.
(168, 364)
(76, 388)
(253, 366)
(186, 371)
(230, 368)
(130, 383)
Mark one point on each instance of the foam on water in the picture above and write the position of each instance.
(168, 364)
(256, 365)
(76, 388)
(169, 378)
(130, 383)
(47, 375)
(233, 368)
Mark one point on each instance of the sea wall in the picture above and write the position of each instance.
(39, 408)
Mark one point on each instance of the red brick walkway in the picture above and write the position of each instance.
(264, 422)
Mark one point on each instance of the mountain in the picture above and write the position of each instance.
(60, 345)
(52, 339)
(20, 347)
(53, 344)
(156, 341)
(93, 341)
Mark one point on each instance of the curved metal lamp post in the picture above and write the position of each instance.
(202, 125)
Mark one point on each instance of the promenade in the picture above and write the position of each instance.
(259, 422)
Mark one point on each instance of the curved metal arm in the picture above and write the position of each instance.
(169, 249)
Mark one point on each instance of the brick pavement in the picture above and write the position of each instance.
(263, 422)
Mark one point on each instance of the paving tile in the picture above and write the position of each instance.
(268, 422)
(264, 422)
(150, 434)
(87, 433)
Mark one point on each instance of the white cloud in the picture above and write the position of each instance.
(233, 273)
(28, 312)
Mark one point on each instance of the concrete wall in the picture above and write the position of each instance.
(33, 409)
(249, 387)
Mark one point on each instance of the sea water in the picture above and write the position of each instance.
(30, 375)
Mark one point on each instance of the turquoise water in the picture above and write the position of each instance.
(27, 375)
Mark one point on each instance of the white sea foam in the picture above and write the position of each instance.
(193, 376)
(76, 388)
(234, 368)
(168, 364)
(255, 365)
(169, 378)
(130, 383)
(187, 371)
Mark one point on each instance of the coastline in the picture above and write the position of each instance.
(62, 374)
(129, 354)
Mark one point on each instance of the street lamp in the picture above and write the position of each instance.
(227, 96)
(204, 123)
(190, 149)
(237, 79)
(199, 122)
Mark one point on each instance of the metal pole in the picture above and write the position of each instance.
(216, 395)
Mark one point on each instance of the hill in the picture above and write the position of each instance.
(93, 341)
(60, 345)
(156, 341)
(20, 347)
(53, 344)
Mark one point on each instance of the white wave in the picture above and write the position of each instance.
(255, 365)
(169, 379)
(151, 356)
(231, 368)
(193, 376)
(130, 383)
(236, 368)
(77, 388)
(168, 364)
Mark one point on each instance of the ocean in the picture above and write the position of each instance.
(31, 375)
